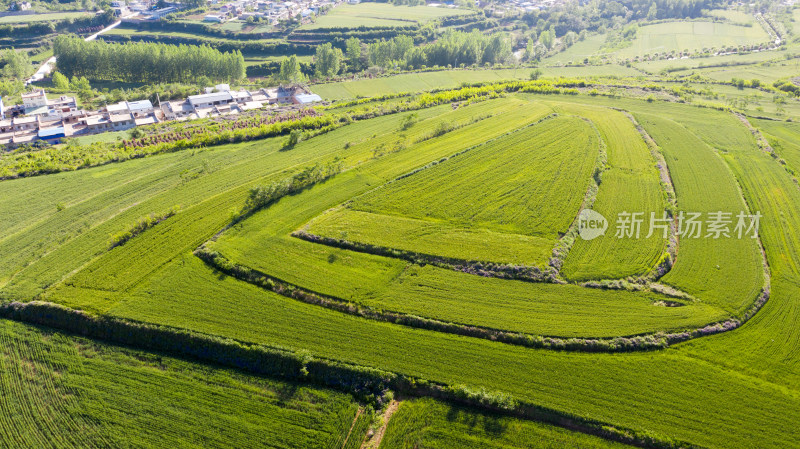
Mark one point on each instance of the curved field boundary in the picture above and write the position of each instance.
(364, 382)
(644, 342)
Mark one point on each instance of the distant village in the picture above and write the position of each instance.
(271, 12)
(267, 11)
(42, 119)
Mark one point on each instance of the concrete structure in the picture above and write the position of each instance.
(98, 124)
(121, 122)
(34, 99)
(307, 98)
(176, 110)
(208, 100)
(141, 108)
(52, 135)
(159, 13)
(61, 106)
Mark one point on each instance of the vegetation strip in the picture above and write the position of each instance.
(142, 224)
(646, 342)
(486, 269)
(767, 288)
(368, 384)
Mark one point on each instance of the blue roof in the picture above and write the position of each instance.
(52, 133)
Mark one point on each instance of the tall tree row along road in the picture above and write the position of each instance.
(48, 65)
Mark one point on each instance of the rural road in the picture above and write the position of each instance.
(47, 66)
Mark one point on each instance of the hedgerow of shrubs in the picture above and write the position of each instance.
(367, 384)
(141, 225)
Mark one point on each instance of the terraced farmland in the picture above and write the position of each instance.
(427, 423)
(541, 191)
(634, 362)
(629, 184)
(59, 391)
(701, 267)
(380, 15)
(692, 36)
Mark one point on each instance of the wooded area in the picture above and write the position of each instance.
(145, 62)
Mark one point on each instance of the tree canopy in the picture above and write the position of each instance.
(145, 62)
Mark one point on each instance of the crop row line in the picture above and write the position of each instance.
(764, 297)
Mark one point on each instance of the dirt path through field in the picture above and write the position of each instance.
(375, 441)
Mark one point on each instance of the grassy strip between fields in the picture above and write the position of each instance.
(366, 383)
(658, 340)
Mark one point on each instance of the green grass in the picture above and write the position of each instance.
(783, 138)
(737, 389)
(64, 392)
(617, 388)
(428, 424)
(692, 36)
(704, 267)
(28, 18)
(103, 137)
(44, 244)
(447, 79)
(734, 16)
(432, 237)
(766, 72)
(577, 52)
(695, 63)
(630, 184)
(380, 15)
(530, 182)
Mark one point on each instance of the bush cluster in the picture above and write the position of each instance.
(141, 225)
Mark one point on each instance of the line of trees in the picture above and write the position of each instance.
(145, 62)
(454, 48)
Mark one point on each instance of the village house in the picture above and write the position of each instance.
(20, 6)
(39, 118)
